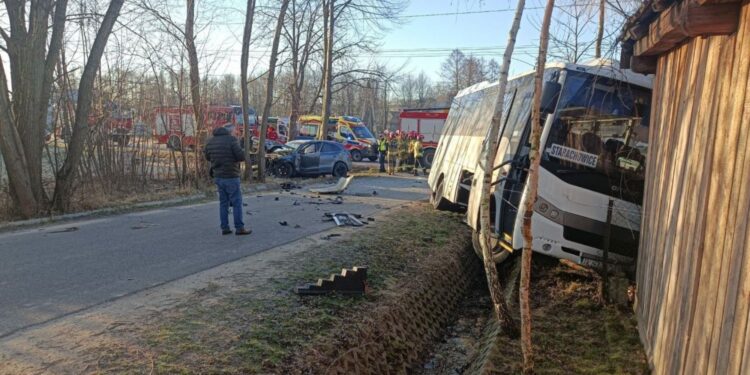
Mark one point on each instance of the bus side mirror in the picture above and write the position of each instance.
(550, 93)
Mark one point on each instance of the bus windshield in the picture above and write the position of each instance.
(361, 131)
(599, 137)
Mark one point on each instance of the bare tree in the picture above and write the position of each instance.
(195, 76)
(493, 70)
(269, 90)
(302, 36)
(422, 88)
(23, 111)
(329, 17)
(64, 177)
(452, 71)
(490, 149)
(246, 36)
(571, 41)
(600, 30)
(533, 184)
(407, 88)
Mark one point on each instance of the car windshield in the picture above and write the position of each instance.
(295, 144)
(361, 131)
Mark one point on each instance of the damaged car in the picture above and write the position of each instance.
(314, 158)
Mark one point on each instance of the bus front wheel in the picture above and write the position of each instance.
(499, 255)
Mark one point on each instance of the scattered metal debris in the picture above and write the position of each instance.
(343, 218)
(353, 281)
(339, 188)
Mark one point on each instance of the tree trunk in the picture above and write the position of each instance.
(246, 35)
(600, 31)
(269, 91)
(533, 183)
(490, 149)
(66, 174)
(328, 24)
(14, 156)
(22, 126)
(195, 83)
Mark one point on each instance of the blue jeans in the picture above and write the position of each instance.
(230, 192)
(382, 161)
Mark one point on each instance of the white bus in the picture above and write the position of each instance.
(594, 146)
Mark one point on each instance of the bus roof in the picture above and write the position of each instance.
(600, 67)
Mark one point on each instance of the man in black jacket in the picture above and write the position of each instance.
(224, 152)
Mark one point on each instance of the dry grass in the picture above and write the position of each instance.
(572, 333)
(259, 329)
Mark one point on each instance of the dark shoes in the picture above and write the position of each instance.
(226, 231)
(243, 232)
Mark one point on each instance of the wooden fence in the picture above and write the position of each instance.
(693, 298)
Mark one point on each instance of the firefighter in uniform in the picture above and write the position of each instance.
(392, 152)
(382, 149)
(418, 154)
(403, 152)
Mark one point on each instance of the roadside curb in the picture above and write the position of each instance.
(195, 198)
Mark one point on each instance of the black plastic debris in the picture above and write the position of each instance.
(374, 192)
(329, 236)
(350, 281)
(297, 226)
(66, 230)
(283, 223)
(277, 198)
(296, 203)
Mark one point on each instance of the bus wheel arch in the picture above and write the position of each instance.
(497, 256)
(436, 196)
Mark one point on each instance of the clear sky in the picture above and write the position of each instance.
(423, 37)
(478, 27)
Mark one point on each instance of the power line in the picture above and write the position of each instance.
(464, 13)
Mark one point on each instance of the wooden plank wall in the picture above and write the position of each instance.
(693, 297)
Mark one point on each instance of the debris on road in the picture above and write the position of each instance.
(289, 186)
(339, 188)
(351, 281)
(277, 198)
(329, 236)
(296, 203)
(283, 223)
(66, 230)
(338, 200)
(343, 218)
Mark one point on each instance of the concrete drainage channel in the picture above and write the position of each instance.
(407, 326)
(396, 336)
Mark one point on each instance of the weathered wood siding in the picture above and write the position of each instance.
(693, 298)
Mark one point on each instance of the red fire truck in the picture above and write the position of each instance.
(426, 122)
(174, 126)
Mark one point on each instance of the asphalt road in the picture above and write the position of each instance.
(53, 271)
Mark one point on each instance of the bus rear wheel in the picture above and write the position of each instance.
(436, 198)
